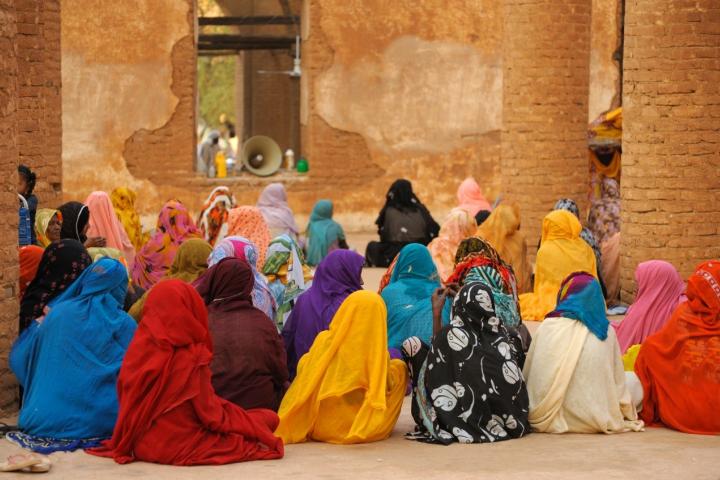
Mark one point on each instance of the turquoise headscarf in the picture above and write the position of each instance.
(580, 298)
(505, 304)
(322, 232)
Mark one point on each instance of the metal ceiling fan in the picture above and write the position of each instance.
(296, 71)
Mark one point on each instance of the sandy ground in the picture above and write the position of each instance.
(656, 453)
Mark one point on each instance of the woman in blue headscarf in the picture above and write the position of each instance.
(323, 233)
(68, 363)
(408, 295)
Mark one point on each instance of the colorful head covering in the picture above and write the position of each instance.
(104, 223)
(249, 223)
(61, 264)
(75, 217)
(123, 200)
(337, 276)
(42, 220)
(168, 409)
(323, 233)
(174, 226)
(287, 274)
(214, 215)
(586, 234)
(347, 371)
(244, 249)
(275, 210)
(458, 226)
(471, 198)
(679, 366)
(30, 257)
(660, 291)
(580, 298)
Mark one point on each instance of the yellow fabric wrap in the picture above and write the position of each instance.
(123, 200)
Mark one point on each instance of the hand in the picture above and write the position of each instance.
(95, 242)
(452, 289)
(438, 301)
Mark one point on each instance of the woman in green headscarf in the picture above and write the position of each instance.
(323, 233)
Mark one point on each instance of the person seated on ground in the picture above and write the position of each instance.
(123, 201)
(29, 258)
(407, 296)
(191, 261)
(174, 226)
(470, 197)
(245, 250)
(337, 276)
(75, 224)
(468, 385)
(213, 220)
(481, 216)
(402, 221)
(26, 185)
(169, 412)
(324, 234)
(458, 226)
(248, 222)
(347, 389)
(249, 364)
(679, 366)
(48, 225)
(105, 224)
(273, 205)
(574, 371)
(502, 231)
(604, 215)
(660, 289)
(68, 362)
(61, 264)
(287, 273)
(561, 253)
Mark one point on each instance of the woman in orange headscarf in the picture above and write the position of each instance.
(248, 222)
(679, 366)
(30, 256)
(458, 226)
(502, 231)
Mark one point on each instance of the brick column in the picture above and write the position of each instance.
(8, 201)
(545, 106)
(671, 135)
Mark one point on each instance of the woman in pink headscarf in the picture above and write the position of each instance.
(174, 226)
(273, 204)
(104, 223)
(471, 198)
(660, 291)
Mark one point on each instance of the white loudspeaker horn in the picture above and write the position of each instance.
(261, 155)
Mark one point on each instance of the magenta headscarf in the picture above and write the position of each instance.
(660, 291)
(275, 210)
(174, 226)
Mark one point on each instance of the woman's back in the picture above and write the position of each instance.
(404, 226)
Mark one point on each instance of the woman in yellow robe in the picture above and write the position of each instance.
(347, 389)
(502, 231)
(123, 200)
(561, 253)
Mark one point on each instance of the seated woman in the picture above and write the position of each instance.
(29, 258)
(324, 234)
(249, 364)
(574, 371)
(502, 231)
(174, 226)
(402, 221)
(61, 264)
(408, 295)
(287, 273)
(169, 413)
(105, 224)
(347, 388)
(679, 367)
(458, 226)
(337, 276)
(604, 216)
(75, 224)
(273, 205)
(214, 215)
(191, 261)
(245, 250)
(470, 197)
(123, 200)
(48, 225)
(468, 386)
(68, 362)
(248, 222)
(561, 253)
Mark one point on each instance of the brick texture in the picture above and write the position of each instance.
(671, 135)
(8, 199)
(545, 106)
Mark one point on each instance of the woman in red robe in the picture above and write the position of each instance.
(169, 412)
(679, 366)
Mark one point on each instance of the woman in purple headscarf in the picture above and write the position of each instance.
(337, 276)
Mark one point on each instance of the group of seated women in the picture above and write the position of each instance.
(233, 347)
